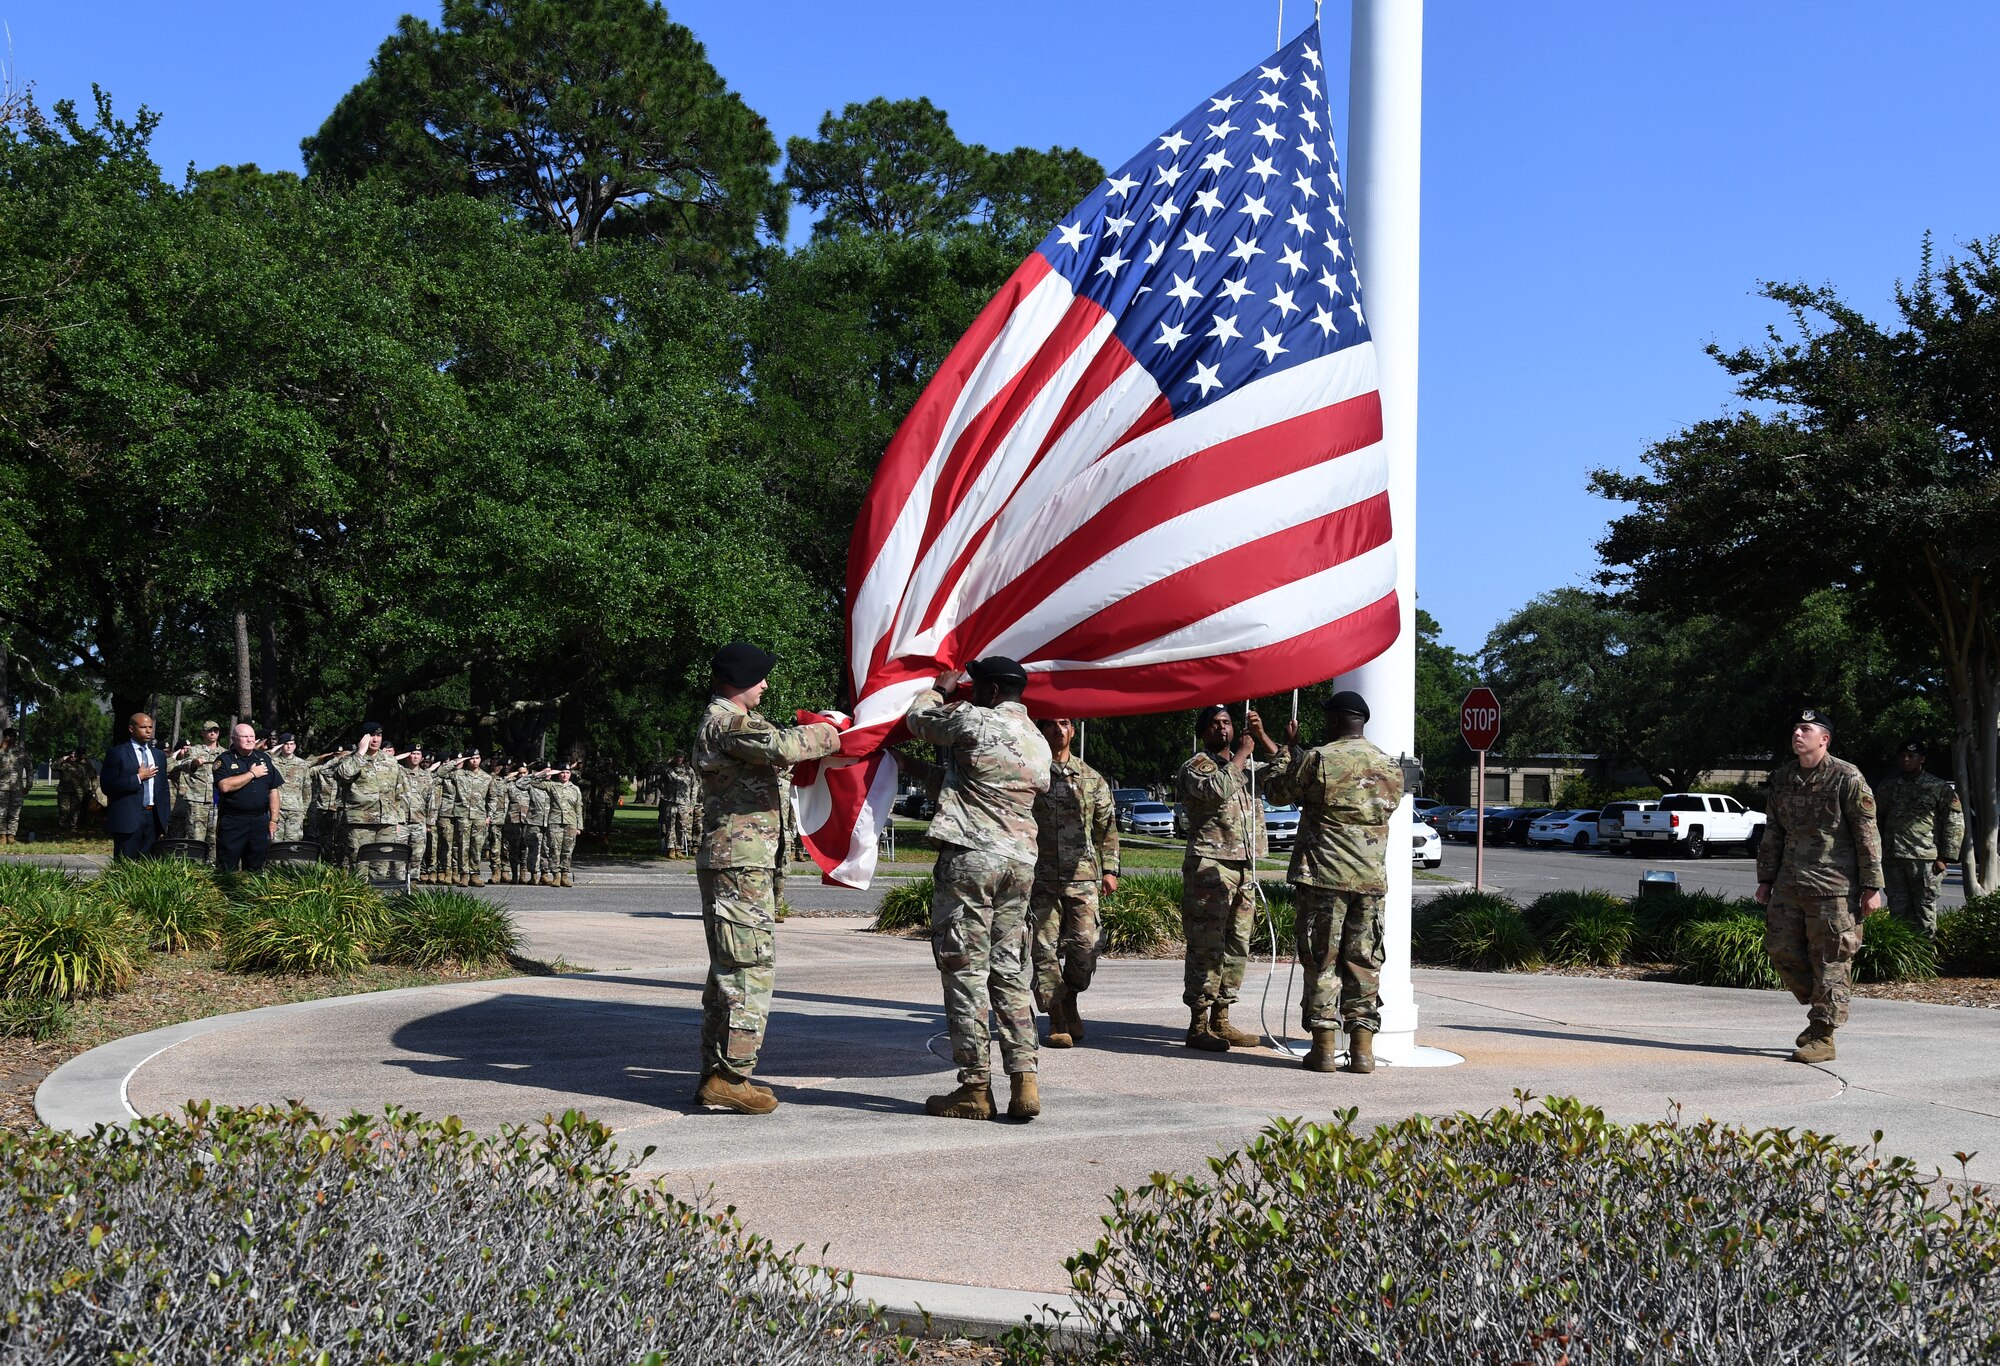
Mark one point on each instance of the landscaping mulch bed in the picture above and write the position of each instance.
(173, 990)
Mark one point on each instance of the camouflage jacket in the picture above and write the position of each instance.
(420, 794)
(469, 795)
(1920, 817)
(683, 785)
(193, 774)
(1821, 838)
(17, 771)
(513, 792)
(1076, 827)
(537, 793)
(738, 754)
(296, 771)
(565, 805)
(74, 778)
(325, 787)
(996, 761)
(1346, 791)
(1223, 819)
(371, 789)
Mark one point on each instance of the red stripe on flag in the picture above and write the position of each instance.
(1310, 657)
(1223, 580)
(1226, 468)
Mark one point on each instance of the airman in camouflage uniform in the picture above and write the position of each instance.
(996, 763)
(372, 799)
(1820, 861)
(512, 786)
(565, 820)
(1076, 840)
(535, 841)
(192, 777)
(1346, 790)
(1219, 875)
(420, 804)
(678, 808)
(1923, 827)
(294, 769)
(75, 777)
(471, 804)
(17, 774)
(738, 754)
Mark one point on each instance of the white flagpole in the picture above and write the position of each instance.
(1383, 165)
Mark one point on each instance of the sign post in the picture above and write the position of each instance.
(1479, 723)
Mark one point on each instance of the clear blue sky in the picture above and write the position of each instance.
(1604, 183)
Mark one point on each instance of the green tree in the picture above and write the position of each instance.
(1862, 463)
(1444, 677)
(590, 118)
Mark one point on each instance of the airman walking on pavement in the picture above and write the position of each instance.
(1923, 827)
(1346, 789)
(1819, 871)
(985, 836)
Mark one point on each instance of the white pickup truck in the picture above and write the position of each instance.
(1691, 821)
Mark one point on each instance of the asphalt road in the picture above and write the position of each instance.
(1526, 873)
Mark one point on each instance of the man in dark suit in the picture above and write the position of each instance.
(136, 789)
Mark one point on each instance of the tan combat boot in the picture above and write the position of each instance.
(1816, 1045)
(1059, 1035)
(564, 881)
(1324, 1055)
(548, 879)
(727, 1093)
(1026, 1102)
(1805, 1035)
(968, 1101)
(1071, 1017)
(1218, 1025)
(1361, 1050)
(1198, 1035)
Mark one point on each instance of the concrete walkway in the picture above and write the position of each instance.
(851, 1164)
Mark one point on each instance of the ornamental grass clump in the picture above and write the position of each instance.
(1144, 915)
(1726, 952)
(33, 1017)
(57, 942)
(1542, 1234)
(428, 928)
(1471, 929)
(271, 1235)
(1894, 950)
(1968, 938)
(1275, 926)
(176, 903)
(905, 906)
(308, 934)
(1659, 920)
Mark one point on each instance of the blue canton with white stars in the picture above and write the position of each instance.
(1222, 251)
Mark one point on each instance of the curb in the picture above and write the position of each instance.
(939, 1309)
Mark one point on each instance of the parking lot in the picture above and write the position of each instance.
(1525, 873)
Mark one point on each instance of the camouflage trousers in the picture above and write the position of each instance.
(738, 916)
(1913, 891)
(1063, 917)
(291, 823)
(489, 851)
(677, 826)
(1218, 903)
(1812, 940)
(69, 809)
(418, 835)
(357, 836)
(468, 833)
(524, 849)
(1340, 953)
(561, 849)
(10, 813)
(193, 821)
(440, 850)
(979, 937)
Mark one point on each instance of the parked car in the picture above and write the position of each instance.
(1513, 829)
(1281, 826)
(1460, 826)
(1438, 815)
(1122, 799)
(916, 804)
(1427, 849)
(1611, 823)
(1423, 805)
(1151, 818)
(1691, 821)
(1578, 829)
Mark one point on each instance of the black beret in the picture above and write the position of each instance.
(371, 727)
(1207, 714)
(1814, 716)
(742, 665)
(1915, 747)
(997, 669)
(285, 737)
(1348, 704)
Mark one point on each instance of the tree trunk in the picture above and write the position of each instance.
(273, 694)
(243, 709)
(6, 688)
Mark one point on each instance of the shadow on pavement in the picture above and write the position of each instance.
(1730, 1050)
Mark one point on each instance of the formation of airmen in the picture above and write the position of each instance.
(1027, 842)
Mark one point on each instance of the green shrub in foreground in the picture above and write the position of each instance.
(328, 890)
(175, 902)
(18, 877)
(57, 942)
(1726, 953)
(261, 1235)
(1660, 920)
(1143, 915)
(905, 906)
(311, 934)
(1550, 911)
(426, 928)
(1969, 937)
(1541, 1235)
(33, 1017)
(1599, 936)
(1893, 950)
(1472, 929)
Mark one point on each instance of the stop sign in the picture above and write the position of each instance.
(1479, 718)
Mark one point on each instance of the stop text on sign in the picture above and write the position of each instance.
(1479, 719)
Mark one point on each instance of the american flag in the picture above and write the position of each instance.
(1152, 470)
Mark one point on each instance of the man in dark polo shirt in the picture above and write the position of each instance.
(246, 791)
